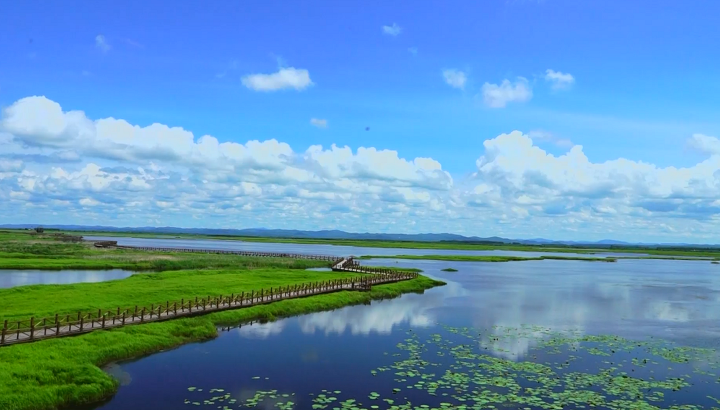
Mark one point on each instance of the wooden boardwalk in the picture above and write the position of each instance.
(253, 254)
(66, 325)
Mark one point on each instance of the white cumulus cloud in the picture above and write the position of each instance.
(392, 30)
(498, 96)
(157, 171)
(320, 123)
(455, 78)
(705, 144)
(110, 171)
(101, 43)
(559, 81)
(515, 171)
(285, 78)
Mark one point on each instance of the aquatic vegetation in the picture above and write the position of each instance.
(455, 368)
(66, 372)
(449, 270)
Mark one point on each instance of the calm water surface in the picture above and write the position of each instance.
(10, 278)
(643, 300)
(331, 250)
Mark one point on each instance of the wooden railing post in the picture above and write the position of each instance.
(4, 331)
(32, 328)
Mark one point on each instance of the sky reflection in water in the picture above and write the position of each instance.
(314, 249)
(642, 299)
(10, 278)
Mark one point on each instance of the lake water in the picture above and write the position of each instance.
(314, 249)
(494, 330)
(10, 278)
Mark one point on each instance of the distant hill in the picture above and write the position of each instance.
(336, 234)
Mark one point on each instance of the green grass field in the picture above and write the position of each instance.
(65, 372)
(19, 250)
(145, 289)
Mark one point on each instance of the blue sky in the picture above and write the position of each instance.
(632, 80)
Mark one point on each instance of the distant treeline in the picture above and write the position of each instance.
(590, 245)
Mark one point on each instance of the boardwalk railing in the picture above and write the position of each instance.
(65, 324)
(229, 252)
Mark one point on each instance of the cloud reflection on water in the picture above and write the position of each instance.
(634, 299)
(380, 317)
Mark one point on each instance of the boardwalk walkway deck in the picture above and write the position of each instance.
(65, 325)
(231, 252)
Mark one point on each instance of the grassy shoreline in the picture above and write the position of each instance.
(66, 372)
(62, 372)
(22, 251)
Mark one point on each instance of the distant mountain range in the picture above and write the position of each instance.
(336, 234)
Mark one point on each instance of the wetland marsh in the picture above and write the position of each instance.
(546, 334)
(543, 333)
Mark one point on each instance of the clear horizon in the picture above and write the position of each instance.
(516, 119)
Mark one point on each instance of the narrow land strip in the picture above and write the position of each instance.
(32, 330)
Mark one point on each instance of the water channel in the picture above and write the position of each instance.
(10, 278)
(330, 250)
(464, 344)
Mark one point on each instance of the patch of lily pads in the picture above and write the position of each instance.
(464, 369)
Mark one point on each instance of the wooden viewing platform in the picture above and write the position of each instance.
(13, 332)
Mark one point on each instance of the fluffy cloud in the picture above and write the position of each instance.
(529, 182)
(316, 122)
(393, 30)
(559, 81)
(109, 171)
(498, 96)
(538, 135)
(101, 43)
(285, 78)
(158, 171)
(455, 78)
(7, 165)
(705, 144)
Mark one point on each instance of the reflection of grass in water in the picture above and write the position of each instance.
(447, 372)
